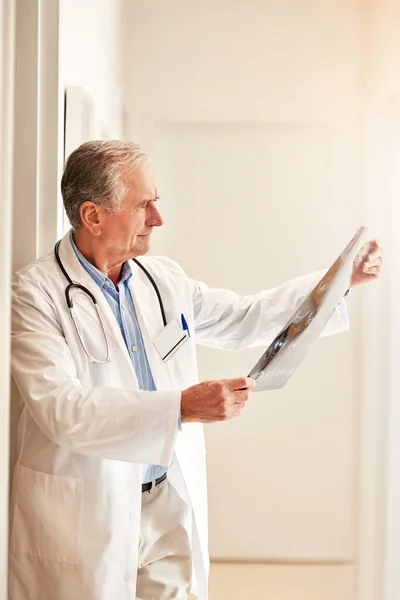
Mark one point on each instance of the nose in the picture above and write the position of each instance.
(153, 218)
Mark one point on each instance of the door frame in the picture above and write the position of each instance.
(7, 39)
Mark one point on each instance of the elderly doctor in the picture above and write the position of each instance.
(109, 490)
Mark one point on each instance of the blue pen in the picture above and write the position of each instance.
(185, 326)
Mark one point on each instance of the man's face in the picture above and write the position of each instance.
(127, 233)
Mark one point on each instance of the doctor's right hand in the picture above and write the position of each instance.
(212, 401)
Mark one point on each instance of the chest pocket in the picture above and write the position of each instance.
(182, 366)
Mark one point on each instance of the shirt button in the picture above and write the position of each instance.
(134, 348)
(128, 576)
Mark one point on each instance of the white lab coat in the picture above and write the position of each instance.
(85, 429)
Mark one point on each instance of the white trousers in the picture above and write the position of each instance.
(165, 558)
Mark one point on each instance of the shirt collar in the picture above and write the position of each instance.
(99, 277)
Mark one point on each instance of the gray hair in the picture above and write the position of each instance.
(93, 172)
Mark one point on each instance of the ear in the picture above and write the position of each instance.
(90, 217)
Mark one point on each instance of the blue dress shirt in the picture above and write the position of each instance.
(123, 308)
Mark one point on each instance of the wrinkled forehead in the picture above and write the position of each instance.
(141, 182)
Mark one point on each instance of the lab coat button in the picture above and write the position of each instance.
(128, 576)
(132, 515)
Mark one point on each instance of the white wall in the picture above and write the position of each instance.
(92, 55)
(382, 79)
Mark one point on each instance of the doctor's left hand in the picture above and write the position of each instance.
(371, 267)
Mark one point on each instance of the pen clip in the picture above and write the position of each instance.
(185, 326)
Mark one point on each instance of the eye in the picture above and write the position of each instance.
(145, 205)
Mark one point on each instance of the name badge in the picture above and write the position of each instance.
(169, 340)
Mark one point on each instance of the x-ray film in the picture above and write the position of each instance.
(289, 348)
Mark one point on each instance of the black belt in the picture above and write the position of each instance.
(147, 486)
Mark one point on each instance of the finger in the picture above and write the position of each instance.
(362, 256)
(240, 383)
(373, 245)
(377, 262)
(240, 395)
(238, 409)
(378, 255)
(373, 271)
(239, 405)
(236, 413)
(366, 251)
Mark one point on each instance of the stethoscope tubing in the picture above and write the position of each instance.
(71, 285)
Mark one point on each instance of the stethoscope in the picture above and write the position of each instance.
(71, 285)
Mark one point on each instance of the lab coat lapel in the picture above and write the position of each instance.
(79, 275)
